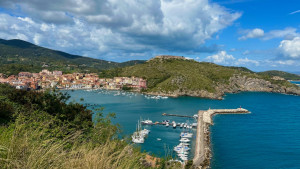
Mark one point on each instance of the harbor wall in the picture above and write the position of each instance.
(202, 147)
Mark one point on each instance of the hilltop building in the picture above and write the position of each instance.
(168, 57)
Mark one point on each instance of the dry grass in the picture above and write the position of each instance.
(29, 148)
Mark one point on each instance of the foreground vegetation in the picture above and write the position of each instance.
(42, 130)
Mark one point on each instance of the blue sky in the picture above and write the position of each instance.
(258, 34)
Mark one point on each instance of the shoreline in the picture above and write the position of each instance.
(177, 95)
(203, 144)
(221, 97)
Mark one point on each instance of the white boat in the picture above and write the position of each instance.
(184, 140)
(137, 138)
(182, 155)
(186, 135)
(145, 132)
(183, 144)
(181, 148)
(147, 122)
(181, 125)
(167, 124)
(194, 124)
(174, 125)
(164, 122)
(158, 139)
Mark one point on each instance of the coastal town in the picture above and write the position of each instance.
(56, 79)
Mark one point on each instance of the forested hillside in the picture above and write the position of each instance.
(17, 55)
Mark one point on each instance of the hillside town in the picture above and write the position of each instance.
(56, 79)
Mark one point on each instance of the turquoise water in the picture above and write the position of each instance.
(296, 82)
(269, 137)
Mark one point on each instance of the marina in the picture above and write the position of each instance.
(202, 143)
(182, 149)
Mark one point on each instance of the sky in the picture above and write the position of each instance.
(257, 34)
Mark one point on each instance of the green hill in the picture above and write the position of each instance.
(18, 55)
(285, 75)
(177, 77)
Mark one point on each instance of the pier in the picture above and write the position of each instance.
(177, 115)
(202, 146)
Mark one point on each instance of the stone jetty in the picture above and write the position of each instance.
(202, 147)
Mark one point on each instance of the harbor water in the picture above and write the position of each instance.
(269, 137)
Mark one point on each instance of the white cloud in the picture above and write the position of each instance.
(22, 36)
(26, 19)
(94, 27)
(246, 61)
(290, 48)
(294, 12)
(246, 52)
(286, 62)
(287, 33)
(255, 33)
(283, 63)
(226, 59)
(221, 58)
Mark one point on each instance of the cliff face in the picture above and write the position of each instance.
(243, 83)
(236, 84)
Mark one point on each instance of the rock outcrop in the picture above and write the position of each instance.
(237, 83)
(244, 83)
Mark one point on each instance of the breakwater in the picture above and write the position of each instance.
(202, 146)
(177, 115)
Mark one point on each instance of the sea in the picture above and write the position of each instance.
(268, 137)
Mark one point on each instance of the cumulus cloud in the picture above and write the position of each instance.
(246, 61)
(220, 58)
(255, 33)
(287, 33)
(226, 59)
(107, 26)
(290, 48)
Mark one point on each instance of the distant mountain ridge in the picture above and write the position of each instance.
(282, 74)
(18, 55)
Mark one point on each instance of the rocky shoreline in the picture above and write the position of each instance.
(236, 84)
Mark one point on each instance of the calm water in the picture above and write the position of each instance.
(269, 137)
(296, 82)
